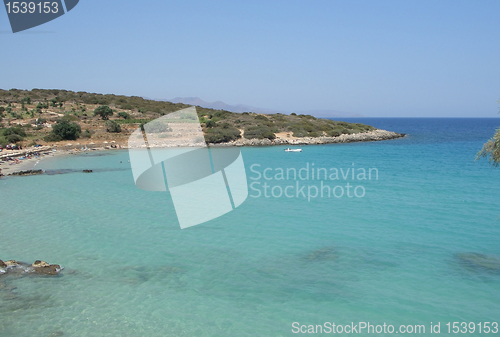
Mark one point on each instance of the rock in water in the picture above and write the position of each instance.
(12, 263)
(42, 267)
(38, 267)
(39, 263)
(26, 173)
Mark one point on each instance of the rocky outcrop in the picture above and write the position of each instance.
(38, 267)
(26, 173)
(370, 136)
(12, 263)
(40, 264)
(42, 267)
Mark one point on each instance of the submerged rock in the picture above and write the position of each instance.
(477, 260)
(322, 254)
(87, 171)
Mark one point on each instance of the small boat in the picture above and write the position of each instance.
(292, 150)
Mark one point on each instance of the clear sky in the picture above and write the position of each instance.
(376, 58)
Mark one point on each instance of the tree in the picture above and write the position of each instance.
(104, 111)
(64, 130)
(491, 149)
(112, 126)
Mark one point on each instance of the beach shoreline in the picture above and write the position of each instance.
(12, 166)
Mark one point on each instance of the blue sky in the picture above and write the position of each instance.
(376, 58)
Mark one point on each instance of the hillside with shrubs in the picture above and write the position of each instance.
(50, 116)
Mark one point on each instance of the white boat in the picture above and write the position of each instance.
(293, 150)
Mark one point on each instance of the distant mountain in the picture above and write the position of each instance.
(330, 114)
(221, 105)
(248, 108)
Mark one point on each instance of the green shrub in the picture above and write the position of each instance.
(104, 112)
(14, 138)
(299, 133)
(51, 137)
(156, 126)
(124, 115)
(15, 130)
(126, 106)
(69, 118)
(112, 126)
(132, 121)
(223, 134)
(259, 132)
(64, 130)
(210, 124)
(307, 117)
(87, 133)
(334, 133)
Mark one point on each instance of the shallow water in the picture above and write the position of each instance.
(390, 256)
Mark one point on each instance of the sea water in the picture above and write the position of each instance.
(389, 254)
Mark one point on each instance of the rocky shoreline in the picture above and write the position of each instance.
(370, 136)
(14, 267)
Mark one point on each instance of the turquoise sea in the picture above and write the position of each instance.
(400, 254)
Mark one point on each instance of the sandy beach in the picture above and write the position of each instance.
(24, 163)
(27, 159)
